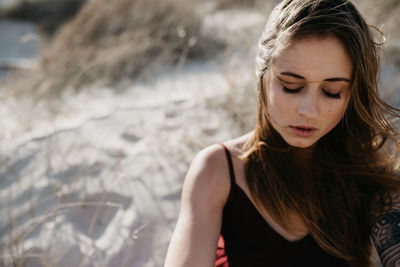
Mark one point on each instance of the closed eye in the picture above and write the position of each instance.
(291, 91)
(328, 94)
(296, 90)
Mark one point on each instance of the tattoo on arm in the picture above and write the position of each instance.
(386, 236)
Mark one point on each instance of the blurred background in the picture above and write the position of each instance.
(105, 103)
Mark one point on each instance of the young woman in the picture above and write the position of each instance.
(315, 183)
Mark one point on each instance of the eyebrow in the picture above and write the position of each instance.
(336, 79)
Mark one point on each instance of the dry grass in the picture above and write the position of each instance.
(23, 222)
(49, 15)
(105, 43)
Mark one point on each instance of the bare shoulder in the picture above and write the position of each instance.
(204, 194)
(208, 177)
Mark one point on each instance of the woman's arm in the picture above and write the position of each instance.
(205, 190)
(386, 236)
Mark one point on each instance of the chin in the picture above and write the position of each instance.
(301, 143)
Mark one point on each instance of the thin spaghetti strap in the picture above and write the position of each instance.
(228, 156)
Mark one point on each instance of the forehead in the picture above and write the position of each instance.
(315, 58)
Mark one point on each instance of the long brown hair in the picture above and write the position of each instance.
(352, 174)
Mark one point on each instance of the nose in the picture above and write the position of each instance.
(308, 106)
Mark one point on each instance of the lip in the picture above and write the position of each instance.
(303, 130)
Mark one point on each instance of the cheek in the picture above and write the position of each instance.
(334, 113)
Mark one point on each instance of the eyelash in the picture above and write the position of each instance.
(326, 93)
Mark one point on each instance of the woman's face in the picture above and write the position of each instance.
(308, 89)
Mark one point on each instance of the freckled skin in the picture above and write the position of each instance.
(315, 59)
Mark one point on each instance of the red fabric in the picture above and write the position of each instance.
(221, 260)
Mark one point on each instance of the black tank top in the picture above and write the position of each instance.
(248, 240)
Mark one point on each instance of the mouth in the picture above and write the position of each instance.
(303, 130)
